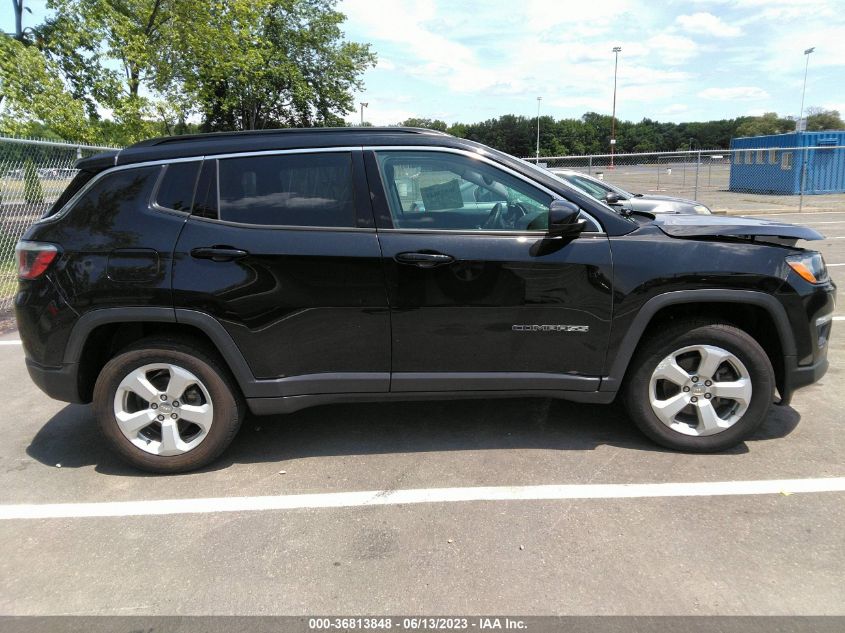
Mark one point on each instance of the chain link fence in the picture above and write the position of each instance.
(744, 181)
(32, 176)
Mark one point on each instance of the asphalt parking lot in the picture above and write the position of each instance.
(557, 534)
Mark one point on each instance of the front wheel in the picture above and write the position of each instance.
(700, 387)
(166, 407)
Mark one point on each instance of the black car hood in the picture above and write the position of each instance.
(731, 226)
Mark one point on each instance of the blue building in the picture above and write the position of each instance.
(773, 164)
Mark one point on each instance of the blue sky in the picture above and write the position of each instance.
(680, 61)
(690, 60)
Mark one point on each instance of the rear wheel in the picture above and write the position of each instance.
(166, 407)
(700, 387)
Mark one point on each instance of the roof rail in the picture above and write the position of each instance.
(162, 140)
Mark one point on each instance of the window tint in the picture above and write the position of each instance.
(288, 190)
(124, 191)
(205, 201)
(176, 190)
(438, 190)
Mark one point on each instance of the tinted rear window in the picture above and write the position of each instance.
(78, 182)
(288, 190)
(125, 190)
(176, 190)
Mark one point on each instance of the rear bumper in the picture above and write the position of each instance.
(60, 383)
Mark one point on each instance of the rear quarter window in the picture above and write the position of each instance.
(127, 190)
(76, 184)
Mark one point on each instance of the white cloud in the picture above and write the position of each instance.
(672, 49)
(478, 59)
(708, 24)
(736, 93)
(675, 108)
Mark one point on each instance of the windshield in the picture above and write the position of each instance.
(593, 187)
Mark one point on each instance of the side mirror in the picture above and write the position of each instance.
(612, 198)
(563, 219)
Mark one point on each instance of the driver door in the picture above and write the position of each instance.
(476, 305)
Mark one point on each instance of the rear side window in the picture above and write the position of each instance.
(288, 190)
(176, 190)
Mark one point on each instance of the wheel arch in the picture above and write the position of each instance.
(779, 348)
(99, 334)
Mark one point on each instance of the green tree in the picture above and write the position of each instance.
(769, 123)
(430, 124)
(820, 119)
(270, 63)
(32, 91)
(32, 191)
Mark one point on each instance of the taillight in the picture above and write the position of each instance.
(34, 258)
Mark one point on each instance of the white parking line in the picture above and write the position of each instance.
(11, 342)
(424, 495)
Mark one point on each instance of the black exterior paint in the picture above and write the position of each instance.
(318, 315)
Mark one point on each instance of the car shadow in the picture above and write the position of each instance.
(72, 438)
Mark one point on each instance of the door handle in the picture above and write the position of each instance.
(218, 253)
(424, 259)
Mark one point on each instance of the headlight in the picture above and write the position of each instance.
(810, 266)
(701, 209)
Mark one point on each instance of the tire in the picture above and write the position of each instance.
(739, 391)
(144, 382)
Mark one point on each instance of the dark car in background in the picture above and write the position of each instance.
(618, 198)
(183, 281)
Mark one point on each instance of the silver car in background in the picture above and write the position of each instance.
(621, 200)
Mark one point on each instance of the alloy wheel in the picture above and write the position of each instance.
(163, 409)
(700, 390)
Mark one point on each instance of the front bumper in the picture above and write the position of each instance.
(60, 383)
(796, 376)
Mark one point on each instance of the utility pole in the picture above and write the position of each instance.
(616, 51)
(804, 89)
(539, 99)
(363, 105)
(804, 156)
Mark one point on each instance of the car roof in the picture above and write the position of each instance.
(169, 147)
(215, 144)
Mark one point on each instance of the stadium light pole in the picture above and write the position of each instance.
(804, 89)
(539, 99)
(616, 51)
(363, 104)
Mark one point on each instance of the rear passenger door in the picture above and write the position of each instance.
(287, 260)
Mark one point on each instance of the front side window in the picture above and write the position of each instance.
(288, 190)
(444, 191)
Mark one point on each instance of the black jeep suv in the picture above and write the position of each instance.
(182, 281)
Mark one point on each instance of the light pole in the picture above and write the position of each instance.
(363, 105)
(804, 89)
(616, 51)
(539, 99)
